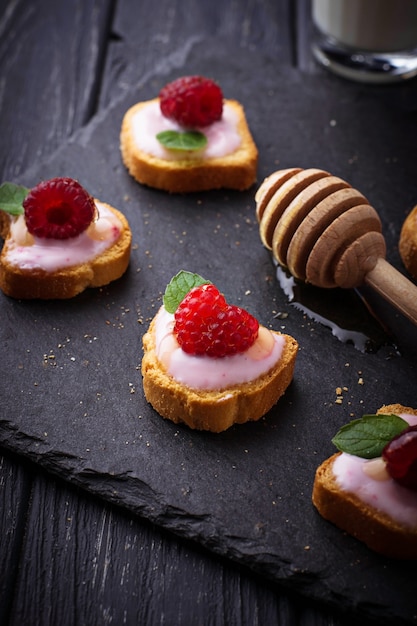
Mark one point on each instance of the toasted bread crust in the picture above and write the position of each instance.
(214, 410)
(68, 282)
(376, 529)
(408, 243)
(233, 171)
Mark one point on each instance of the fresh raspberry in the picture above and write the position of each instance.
(400, 456)
(58, 208)
(206, 324)
(192, 101)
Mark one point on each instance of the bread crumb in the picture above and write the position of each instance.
(339, 396)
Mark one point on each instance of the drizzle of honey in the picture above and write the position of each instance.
(345, 311)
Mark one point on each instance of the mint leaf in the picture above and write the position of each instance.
(368, 436)
(188, 140)
(178, 288)
(11, 198)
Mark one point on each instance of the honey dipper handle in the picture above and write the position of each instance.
(394, 287)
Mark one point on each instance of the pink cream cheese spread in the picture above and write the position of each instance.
(222, 136)
(28, 252)
(383, 494)
(207, 373)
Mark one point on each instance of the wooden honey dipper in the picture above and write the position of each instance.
(327, 234)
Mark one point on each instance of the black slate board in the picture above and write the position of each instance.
(71, 387)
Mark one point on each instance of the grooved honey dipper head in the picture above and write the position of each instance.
(319, 227)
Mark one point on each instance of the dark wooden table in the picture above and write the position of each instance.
(66, 557)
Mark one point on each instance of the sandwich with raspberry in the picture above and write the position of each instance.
(190, 138)
(369, 487)
(407, 244)
(59, 240)
(210, 364)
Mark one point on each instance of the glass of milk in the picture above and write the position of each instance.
(367, 40)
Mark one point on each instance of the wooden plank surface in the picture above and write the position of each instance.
(67, 558)
(51, 56)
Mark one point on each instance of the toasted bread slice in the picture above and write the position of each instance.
(408, 243)
(236, 170)
(215, 410)
(378, 530)
(36, 283)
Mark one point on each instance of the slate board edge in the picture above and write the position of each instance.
(201, 531)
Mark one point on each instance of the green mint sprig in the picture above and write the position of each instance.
(178, 288)
(182, 141)
(11, 198)
(368, 436)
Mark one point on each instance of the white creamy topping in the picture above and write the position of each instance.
(222, 136)
(50, 255)
(207, 373)
(388, 496)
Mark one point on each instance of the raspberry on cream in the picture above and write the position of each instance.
(30, 252)
(207, 373)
